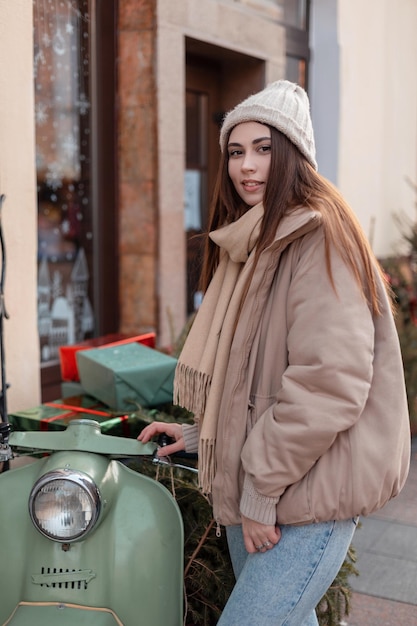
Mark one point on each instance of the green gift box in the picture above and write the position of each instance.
(127, 376)
(57, 415)
(70, 388)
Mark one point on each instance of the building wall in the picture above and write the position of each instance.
(364, 88)
(379, 107)
(19, 214)
(249, 27)
(138, 212)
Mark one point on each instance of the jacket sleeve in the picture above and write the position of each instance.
(330, 343)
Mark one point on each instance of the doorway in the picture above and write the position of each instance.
(202, 152)
(216, 79)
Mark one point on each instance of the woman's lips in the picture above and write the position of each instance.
(251, 185)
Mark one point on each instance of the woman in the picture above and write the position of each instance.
(292, 368)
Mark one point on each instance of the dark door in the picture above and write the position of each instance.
(202, 154)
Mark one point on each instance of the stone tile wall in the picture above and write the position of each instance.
(137, 166)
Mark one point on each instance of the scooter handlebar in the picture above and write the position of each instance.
(85, 436)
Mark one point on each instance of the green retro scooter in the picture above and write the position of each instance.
(83, 538)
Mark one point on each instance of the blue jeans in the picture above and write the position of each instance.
(282, 586)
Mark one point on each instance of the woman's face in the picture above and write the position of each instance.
(249, 152)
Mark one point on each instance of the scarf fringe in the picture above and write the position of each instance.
(206, 465)
(191, 389)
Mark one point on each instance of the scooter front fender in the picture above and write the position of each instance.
(134, 557)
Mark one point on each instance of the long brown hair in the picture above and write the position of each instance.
(293, 182)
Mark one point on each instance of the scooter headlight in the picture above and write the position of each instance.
(64, 505)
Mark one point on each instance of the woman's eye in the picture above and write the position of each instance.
(266, 148)
(234, 153)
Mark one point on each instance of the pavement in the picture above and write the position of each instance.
(385, 592)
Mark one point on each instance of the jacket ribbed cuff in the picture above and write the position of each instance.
(190, 434)
(257, 507)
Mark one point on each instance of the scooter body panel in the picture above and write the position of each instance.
(131, 562)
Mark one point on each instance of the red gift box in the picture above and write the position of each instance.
(72, 412)
(68, 361)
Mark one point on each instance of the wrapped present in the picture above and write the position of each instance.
(127, 376)
(57, 415)
(71, 388)
(67, 354)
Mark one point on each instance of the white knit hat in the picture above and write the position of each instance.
(283, 105)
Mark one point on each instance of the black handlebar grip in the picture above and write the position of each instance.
(164, 440)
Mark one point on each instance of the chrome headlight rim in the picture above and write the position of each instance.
(77, 478)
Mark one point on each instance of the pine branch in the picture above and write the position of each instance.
(198, 548)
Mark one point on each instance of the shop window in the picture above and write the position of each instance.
(296, 22)
(195, 186)
(296, 13)
(295, 70)
(70, 225)
(63, 165)
(207, 98)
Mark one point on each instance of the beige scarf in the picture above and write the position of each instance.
(202, 365)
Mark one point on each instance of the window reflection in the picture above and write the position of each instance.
(63, 122)
(296, 70)
(296, 13)
(195, 187)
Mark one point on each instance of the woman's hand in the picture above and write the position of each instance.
(172, 430)
(259, 537)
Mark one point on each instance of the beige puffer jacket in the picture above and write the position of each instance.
(327, 429)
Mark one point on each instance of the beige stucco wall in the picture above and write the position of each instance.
(17, 182)
(245, 27)
(378, 113)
